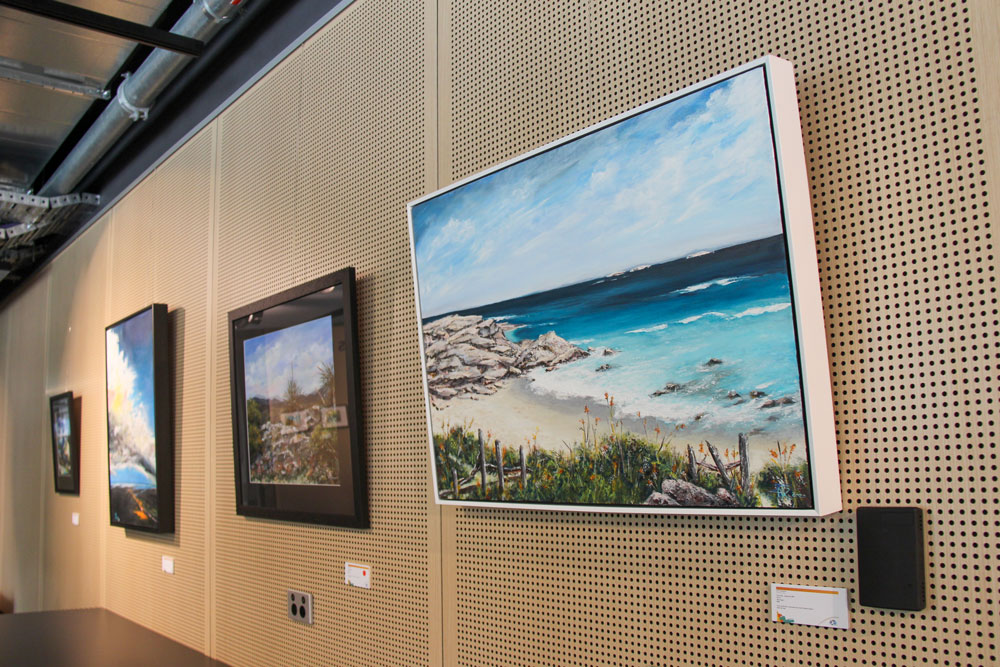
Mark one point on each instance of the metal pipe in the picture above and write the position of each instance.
(137, 93)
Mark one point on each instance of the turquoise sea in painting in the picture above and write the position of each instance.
(711, 326)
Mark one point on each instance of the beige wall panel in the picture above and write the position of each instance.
(73, 555)
(891, 118)
(6, 603)
(25, 433)
(317, 162)
(161, 253)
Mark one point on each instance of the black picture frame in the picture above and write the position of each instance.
(140, 473)
(308, 466)
(64, 424)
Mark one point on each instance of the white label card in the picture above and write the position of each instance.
(357, 575)
(810, 605)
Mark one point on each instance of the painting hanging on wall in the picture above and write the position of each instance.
(296, 405)
(65, 443)
(140, 446)
(630, 319)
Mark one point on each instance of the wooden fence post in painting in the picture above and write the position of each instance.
(621, 458)
(744, 463)
(499, 467)
(692, 469)
(482, 460)
(726, 479)
(524, 469)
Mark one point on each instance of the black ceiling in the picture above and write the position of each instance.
(235, 56)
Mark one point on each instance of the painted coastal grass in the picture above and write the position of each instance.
(616, 467)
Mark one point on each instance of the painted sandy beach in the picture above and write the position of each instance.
(517, 416)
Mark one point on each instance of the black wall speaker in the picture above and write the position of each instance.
(891, 557)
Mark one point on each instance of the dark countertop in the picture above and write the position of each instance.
(89, 638)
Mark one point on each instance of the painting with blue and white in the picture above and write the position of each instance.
(292, 415)
(62, 429)
(131, 413)
(610, 321)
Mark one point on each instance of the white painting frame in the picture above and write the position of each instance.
(806, 307)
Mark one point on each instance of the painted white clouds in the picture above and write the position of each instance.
(132, 446)
(694, 174)
(297, 352)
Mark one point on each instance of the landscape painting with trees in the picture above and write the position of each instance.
(297, 422)
(291, 411)
(65, 444)
(610, 321)
(61, 430)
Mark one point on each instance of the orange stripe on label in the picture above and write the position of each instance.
(805, 590)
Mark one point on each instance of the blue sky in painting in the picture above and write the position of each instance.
(692, 175)
(135, 340)
(272, 359)
(131, 401)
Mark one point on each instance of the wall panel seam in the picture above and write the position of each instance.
(211, 423)
(5, 448)
(43, 487)
(109, 265)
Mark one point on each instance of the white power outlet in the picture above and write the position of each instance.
(300, 607)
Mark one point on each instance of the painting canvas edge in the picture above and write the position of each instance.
(804, 265)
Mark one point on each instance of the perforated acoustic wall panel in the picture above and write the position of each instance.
(6, 451)
(74, 363)
(316, 163)
(160, 253)
(892, 122)
(21, 480)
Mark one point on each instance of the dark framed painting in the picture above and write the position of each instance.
(140, 441)
(65, 443)
(296, 390)
(629, 319)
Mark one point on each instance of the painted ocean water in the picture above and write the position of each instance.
(706, 340)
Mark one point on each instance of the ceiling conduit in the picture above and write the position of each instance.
(137, 93)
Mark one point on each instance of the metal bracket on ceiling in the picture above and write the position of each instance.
(134, 112)
(25, 199)
(205, 7)
(46, 77)
(40, 219)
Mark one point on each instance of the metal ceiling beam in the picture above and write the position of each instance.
(64, 82)
(137, 93)
(110, 25)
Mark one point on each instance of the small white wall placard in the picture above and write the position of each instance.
(810, 605)
(75, 518)
(168, 564)
(357, 575)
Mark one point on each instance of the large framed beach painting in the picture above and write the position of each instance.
(140, 442)
(629, 319)
(296, 390)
